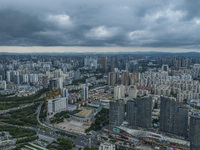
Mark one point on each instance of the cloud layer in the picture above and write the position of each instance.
(141, 23)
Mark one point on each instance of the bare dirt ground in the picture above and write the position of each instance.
(71, 125)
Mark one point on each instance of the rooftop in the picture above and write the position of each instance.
(84, 113)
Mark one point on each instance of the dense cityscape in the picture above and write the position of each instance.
(102, 101)
(99, 75)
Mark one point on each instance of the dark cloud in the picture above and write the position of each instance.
(100, 23)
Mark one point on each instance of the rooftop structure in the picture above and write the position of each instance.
(84, 113)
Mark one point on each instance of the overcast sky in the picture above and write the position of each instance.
(101, 23)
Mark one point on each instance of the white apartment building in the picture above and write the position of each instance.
(56, 105)
(119, 92)
(132, 92)
(3, 85)
(106, 146)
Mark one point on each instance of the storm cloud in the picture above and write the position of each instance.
(143, 23)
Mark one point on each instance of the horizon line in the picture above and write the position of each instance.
(88, 49)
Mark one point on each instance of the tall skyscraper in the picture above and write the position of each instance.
(113, 78)
(65, 94)
(77, 75)
(116, 112)
(8, 76)
(60, 83)
(119, 92)
(134, 67)
(134, 78)
(114, 63)
(52, 84)
(55, 105)
(139, 112)
(45, 81)
(194, 135)
(25, 78)
(90, 63)
(173, 117)
(16, 79)
(84, 93)
(165, 67)
(132, 92)
(125, 78)
(104, 62)
(3, 85)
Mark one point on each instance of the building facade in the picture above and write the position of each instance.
(119, 92)
(116, 112)
(139, 112)
(194, 135)
(173, 117)
(84, 93)
(56, 105)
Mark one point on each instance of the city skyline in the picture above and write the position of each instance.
(100, 75)
(86, 49)
(89, 99)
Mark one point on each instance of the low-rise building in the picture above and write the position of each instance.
(106, 146)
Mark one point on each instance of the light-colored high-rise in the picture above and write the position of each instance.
(119, 92)
(132, 92)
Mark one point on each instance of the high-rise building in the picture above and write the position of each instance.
(116, 112)
(129, 78)
(182, 121)
(77, 75)
(25, 78)
(114, 63)
(119, 92)
(165, 67)
(16, 79)
(60, 83)
(33, 78)
(139, 112)
(104, 62)
(56, 105)
(84, 93)
(134, 67)
(134, 78)
(90, 63)
(132, 92)
(2, 85)
(194, 134)
(13, 75)
(173, 117)
(8, 76)
(113, 78)
(45, 81)
(57, 73)
(52, 84)
(3, 73)
(125, 78)
(65, 94)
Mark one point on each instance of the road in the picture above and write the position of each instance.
(80, 140)
(15, 108)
